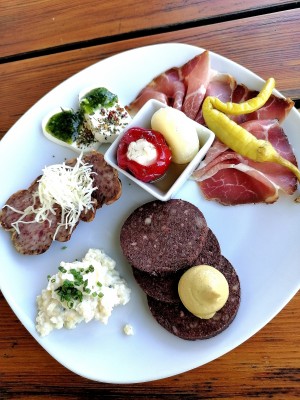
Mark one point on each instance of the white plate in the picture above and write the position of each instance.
(262, 241)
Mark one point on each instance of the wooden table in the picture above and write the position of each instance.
(43, 43)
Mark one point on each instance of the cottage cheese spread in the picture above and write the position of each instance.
(81, 291)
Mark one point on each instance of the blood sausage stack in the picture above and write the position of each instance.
(161, 240)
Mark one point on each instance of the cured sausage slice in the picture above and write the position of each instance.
(36, 237)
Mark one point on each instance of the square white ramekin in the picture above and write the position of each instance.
(143, 120)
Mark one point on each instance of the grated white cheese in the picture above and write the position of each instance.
(69, 187)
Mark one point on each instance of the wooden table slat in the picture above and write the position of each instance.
(33, 25)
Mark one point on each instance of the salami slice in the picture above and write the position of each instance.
(175, 318)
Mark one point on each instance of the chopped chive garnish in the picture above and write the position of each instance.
(68, 292)
(90, 269)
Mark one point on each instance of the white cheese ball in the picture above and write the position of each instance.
(179, 132)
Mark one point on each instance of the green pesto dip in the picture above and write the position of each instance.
(64, 126)
(97, 98)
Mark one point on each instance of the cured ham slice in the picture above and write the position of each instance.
(238, 184)
(221, 86)
(143, 97)
(195, 74)
(273, 132)
(275, 108)
(185, 88)
(226, 89)
(241, 93)
(182, 88)
(167, 88)
(229, 178)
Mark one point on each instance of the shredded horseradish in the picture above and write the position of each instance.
(69, 187)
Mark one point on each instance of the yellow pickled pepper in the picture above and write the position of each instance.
(236, 137)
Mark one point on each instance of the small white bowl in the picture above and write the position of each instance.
(160, 189)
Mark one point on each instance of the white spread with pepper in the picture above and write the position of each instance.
(107, 123)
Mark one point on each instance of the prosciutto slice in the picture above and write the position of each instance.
(275, 108)
(236, 184)
(182, 88)
(222, 86)
(229, 178)
(195, 75)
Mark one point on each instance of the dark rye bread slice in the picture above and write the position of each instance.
(165, 287)
(161, 237)
(175, 318)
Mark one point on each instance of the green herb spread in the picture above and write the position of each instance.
(96, 98)
(64, 126)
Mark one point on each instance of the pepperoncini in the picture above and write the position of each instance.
(236, 137)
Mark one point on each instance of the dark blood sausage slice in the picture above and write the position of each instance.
(165, 287)
(161, 237)
(36, 237)
(211, 252)
(175, 318)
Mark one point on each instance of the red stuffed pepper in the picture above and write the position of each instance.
(144, 153)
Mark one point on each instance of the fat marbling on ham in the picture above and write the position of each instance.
(224, 175)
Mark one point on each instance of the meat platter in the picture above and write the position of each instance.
(260, 240)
